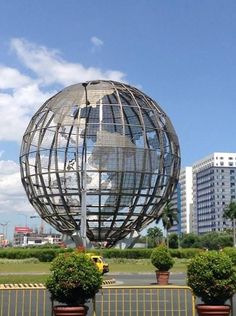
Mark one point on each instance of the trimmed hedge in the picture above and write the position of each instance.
(43, 255)
(48, 254)
(126, 253)
(185, 253)
(145, 253)
(231, 252)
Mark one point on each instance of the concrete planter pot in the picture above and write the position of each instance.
(213, 310)
(70, 310)
(162, 277)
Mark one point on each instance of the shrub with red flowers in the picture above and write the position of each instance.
(74, 279)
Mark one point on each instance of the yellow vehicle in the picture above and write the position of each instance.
(102, 266)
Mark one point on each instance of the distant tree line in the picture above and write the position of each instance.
(212, 240)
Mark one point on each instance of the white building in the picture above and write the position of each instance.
(214, 183)
(203, 191)
(186, 199)
(182, 199)
(24, 236)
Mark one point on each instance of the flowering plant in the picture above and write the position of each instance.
(74, 279)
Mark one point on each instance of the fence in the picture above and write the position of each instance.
(112, 300)
(24, 300)
(145, 300)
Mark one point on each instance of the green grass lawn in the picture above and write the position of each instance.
(37, 272)
(25, 279)
(41, 267)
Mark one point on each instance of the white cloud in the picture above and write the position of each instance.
(51, 68)
(96, 41)
(16, 109)
(12, 78)
(21, 95)
(12, 195)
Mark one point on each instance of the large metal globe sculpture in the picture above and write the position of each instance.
(99, 158)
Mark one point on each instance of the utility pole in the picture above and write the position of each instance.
(4, 230)
(41, 229)
(83, 220)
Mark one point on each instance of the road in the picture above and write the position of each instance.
(146, 279)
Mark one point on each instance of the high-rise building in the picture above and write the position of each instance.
(182, 199)
(176, 204)
(203, 192)
(186, 201)
(214, 184)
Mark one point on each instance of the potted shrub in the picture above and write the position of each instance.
(73, 281)
(213, 279)
(163, 262)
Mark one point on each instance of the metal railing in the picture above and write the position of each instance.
(112, 300)
(145, 300)
(24, 300)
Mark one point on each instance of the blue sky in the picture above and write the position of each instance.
(181, 53)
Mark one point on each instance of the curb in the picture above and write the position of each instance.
(107, 282)
(142, 273)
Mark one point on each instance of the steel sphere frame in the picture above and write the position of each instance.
(100, 158)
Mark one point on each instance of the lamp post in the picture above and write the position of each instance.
(4, 229)
(41, 230)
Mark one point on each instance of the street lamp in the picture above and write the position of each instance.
(4, 225)
(41, 230)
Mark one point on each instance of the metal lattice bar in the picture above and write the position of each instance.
(103, 149)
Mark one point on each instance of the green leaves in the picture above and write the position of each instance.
(161, 258)
(230, 211)
(212, 278)
(74, 279)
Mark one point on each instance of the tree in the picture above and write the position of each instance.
(173, 241)
(230, 213)
(190, 241)
(155, 236)
(169, 217)
(215, 240)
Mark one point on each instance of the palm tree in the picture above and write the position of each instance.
(169, 217)
(230, 213)
(155, 236)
